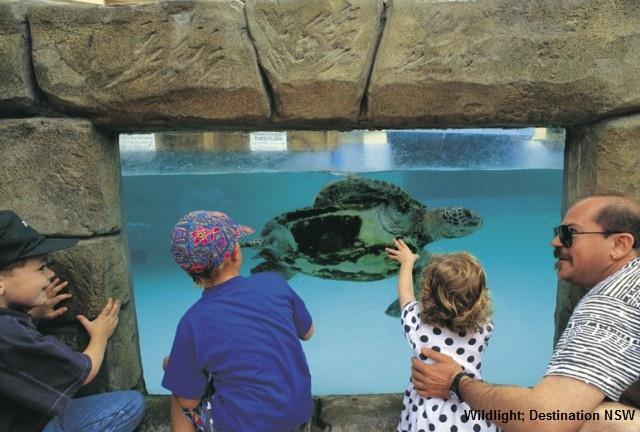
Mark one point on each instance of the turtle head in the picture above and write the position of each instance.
(451, 222)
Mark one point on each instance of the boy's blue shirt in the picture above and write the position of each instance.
(246, 333)
(38, 374)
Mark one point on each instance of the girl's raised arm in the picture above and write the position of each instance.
(406, 258)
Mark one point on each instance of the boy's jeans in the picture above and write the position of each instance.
(119, 411)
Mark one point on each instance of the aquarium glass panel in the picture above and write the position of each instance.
(512, 178)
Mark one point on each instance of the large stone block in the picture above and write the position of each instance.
(97, 269)
(183, 62)
(156, 414)
(603, 157)
(366, 413)
(61, 175)
(504, 62)
(317, 55)
(16, 74)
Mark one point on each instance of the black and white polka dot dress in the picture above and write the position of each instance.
(433, 414)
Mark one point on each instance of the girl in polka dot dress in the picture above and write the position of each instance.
(452, 317)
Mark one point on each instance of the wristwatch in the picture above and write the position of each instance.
(455, 385)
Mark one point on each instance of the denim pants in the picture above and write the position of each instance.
(119, 411)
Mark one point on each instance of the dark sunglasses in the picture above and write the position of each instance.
(566, 233)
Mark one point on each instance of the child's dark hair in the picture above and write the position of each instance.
(11, 266)
(205, 275)
(454, 292)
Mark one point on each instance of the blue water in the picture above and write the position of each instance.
(357, 349)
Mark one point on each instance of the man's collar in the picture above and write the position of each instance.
(633, 262)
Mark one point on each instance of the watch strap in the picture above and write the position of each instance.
(455, 385)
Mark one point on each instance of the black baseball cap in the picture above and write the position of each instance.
(18, 240)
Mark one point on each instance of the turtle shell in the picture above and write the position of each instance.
(345, 242)
(365, 193)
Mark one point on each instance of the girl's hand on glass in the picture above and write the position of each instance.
(402, 253)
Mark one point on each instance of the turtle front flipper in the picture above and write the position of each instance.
(274, 266)
(393, 310)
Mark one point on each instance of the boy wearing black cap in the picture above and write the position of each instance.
(39, 374)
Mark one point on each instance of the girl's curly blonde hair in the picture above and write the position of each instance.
(454, 292)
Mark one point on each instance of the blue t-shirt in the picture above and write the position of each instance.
(245, 334)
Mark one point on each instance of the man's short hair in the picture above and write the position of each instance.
(621, 213)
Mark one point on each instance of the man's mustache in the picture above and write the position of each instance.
(557, 253)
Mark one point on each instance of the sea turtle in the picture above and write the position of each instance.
(343, 235)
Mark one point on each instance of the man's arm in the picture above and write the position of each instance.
(554, 395)
(540, 406)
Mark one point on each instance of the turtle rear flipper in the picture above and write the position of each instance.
(364, 192)
(274, 266)
(393, 310)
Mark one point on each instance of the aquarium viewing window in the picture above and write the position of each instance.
(511, 178)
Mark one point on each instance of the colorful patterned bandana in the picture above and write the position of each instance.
(202, 240)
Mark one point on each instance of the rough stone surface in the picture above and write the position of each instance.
(172, 62)
(156, 414)
(97, 269)
(500, 62)
(374, 413)
(316, 55)
(61, 175)
(358, 413)
(16, 76)
(598, 158)
(265, 65)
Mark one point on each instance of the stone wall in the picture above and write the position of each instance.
(63, 177)
(336, 64)
(365, 413)
(72, 76)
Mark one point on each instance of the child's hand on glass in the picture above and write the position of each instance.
(401, 253)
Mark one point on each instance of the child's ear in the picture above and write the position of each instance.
(1, 285)
(236, 252)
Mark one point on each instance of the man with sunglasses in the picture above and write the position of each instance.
(597, 359)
